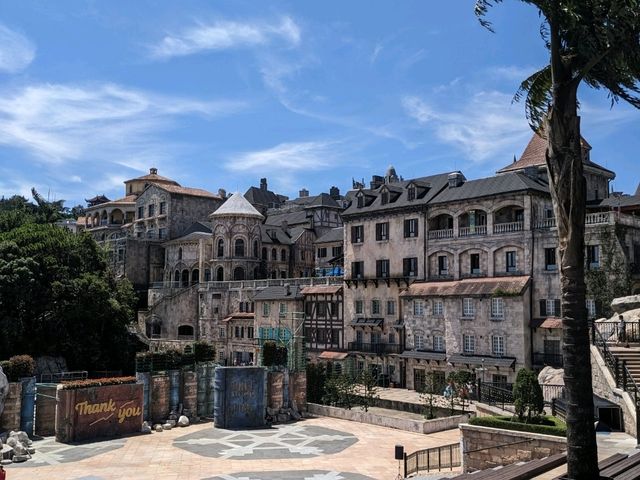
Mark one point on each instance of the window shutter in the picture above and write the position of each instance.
(543, 308)
(598, 308)
(406, 228)
(353, 234)
(556, 307)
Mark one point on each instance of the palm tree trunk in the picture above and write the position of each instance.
(568, 191)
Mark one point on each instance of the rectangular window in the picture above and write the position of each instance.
(438, 308)
(162, 233)
(418, 307)
(475, 263)
(382, 268)
(443, 265)
(497, 308)
(359, 307)
(336, 251)
(360, 201)
(249, 332)
(221, 333)
(591, 308)
(384, 198)
(511, 261)
(321, 309)
(497, 345)
(418, 341)
(152, 210)
(376, 338)
(410, 267)
(499, 379)
(468, 307)
(382, 231)
(550, 307)
(237, 332)
(438, 343)
(392, 338)
(283, 309)
(411, 228)
(391, 307)
(593, 257)
(322, 252)
(468, 343)
(359, 337)
(266, 308)
(140, 212)
(550, 259)
(357, 234)
(163, 208)
(375, 307)
(411, 193)
(357, 269)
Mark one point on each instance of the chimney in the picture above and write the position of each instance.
(456, 179)
(303, 193)
(285, 225)
(222, 193)
(334, 192)
(153, 171)
(376, 181)
(263, 184)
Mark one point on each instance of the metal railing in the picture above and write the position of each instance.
(377, 348)
(550, 359)
(63, 376)
(470, 231)
(499, 394)
(446, 457)
(611, 331)
(508, 227)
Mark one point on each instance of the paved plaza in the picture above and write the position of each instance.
(312, 449)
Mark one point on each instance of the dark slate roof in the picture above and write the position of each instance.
(333, 235)
(367, 322)
(279, 293)
(295, 232)
(205, 227)
(295, 217)
(485, 187)
(257, 196)
(460, 359)
(424, 195)
(323, 200)
(272, 234)
(423, 355)
(621, 201)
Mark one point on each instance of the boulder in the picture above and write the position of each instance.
(183, 421)
(629, 316)
(551, 376)
(146, 428)
(166, 426)
(624, 304)
(20, 458)
(282, 418)
(158, 428)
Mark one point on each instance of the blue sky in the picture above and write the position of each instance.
(308, 94)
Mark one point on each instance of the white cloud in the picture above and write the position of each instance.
(486, 127)
(376, 51)
(16, 51)
(286, 157)
(223, 35)
(512, 72)
(59, 123)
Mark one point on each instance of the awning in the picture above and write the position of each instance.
(499, 286)
(423, 355)
(321, 289)
(239, 316)
(399, 325)
(480, 360)
(367, 322)
(551, 322)
(328, 355)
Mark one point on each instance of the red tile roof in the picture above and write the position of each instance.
(551, 322)
(326, 289)
(240, 316)
(327, 355)
(469, 286)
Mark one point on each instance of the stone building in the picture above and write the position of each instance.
(330, 253)
(323, 319)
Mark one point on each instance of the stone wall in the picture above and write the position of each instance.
(10, 418)
(485, 447)
(604, 386)
(408, 425)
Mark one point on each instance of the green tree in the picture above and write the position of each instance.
(527, 395)
(369, 385)
(595, 42)
(57, 297)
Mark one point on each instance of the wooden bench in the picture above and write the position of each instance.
(516, 471)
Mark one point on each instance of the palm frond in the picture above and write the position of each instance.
(536, 91)
(481, 9)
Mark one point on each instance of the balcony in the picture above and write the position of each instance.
(508, 227)
(471, 231)
(440, 234)
(544, 223)
(376, 348)
(550, 359)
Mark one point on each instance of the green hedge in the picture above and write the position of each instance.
(18, 367)
(555, 426)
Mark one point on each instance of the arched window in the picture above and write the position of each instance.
(220, 274)
(176, 276)
(283, 255)
(239, 248)
(185, 278)
(207, 274)
(195, 276)
(255, 248)
(185, 331)
(180, 253)
(238, 273)
(264, 253)
(156, 329)
(274, 254)
(220, 252)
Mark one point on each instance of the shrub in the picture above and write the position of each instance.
(527, 395)
(173, 359)
(316, 378)
(21, 366)
(97, 382)
(554, 425)
(204, 352)
(273, 355)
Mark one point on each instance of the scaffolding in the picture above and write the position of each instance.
(289, 333)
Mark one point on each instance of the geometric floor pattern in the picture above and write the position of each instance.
(50, 452)
(292, 475)
(278, 442)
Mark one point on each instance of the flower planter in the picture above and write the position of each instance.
(98, 412)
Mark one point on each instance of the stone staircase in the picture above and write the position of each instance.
(629, 357)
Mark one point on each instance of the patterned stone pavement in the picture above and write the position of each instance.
(313, 449)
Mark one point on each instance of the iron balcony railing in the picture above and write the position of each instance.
(446, 457)
(550, 359)
(377, 348)
(611, 331)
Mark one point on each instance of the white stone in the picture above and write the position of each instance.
(624, 304)
(171, 422)
(146, 428)
(183, 421)
(551, 376)
(166, 426)
(4, 389)
(158, 428)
